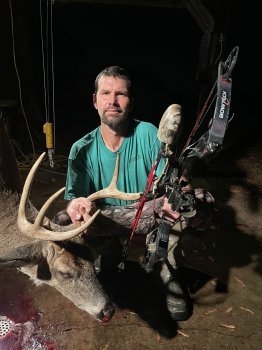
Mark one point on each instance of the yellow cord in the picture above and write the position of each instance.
(26, 163)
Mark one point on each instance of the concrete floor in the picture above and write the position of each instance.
(222, 269)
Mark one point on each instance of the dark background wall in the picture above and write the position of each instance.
(159, 46)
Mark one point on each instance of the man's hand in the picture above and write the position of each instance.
(80, 209)
(185, 184)
(167, 212)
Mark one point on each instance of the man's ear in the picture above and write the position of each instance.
(94, 101)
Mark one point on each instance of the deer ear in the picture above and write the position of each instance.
(43, 271)
(52, 250)
(56, 248)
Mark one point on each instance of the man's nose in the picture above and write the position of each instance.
(113, 98)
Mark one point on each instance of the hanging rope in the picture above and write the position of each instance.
(48, 61)
(19, 82)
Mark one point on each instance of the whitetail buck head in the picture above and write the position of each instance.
(29, 243)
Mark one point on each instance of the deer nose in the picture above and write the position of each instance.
(106, 314)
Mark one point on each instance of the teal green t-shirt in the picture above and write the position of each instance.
(91, 164)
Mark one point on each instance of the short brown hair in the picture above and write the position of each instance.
(116, 72)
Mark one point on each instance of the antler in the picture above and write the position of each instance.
(112, 191)
(37, 229)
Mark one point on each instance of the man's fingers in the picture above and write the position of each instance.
(86, 217)
(77, 223)
(78, 216)
(171, 215)
(80, 210)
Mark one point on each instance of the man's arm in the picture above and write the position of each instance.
(78, 180)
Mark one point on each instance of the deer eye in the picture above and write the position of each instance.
(65, 275)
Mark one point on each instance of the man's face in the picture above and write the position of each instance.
(112, 101)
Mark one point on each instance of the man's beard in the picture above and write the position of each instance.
(115, 123)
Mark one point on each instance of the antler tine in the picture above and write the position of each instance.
(116, 172)
(41, 214)
(112, 191)
(27, 186)
(37, 230)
